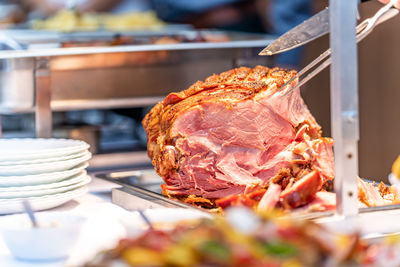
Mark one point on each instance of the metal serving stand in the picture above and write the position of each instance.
(345, 125)
(344, 117)
(376, 221)
(344, 103)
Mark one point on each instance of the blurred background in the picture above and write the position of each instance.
(118, 129)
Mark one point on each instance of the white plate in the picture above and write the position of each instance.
(36, 148)
(13, 195)
(44, 178)
(16, 163)
(70, 181)
(44, 167)
(41, 203)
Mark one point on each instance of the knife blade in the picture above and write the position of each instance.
(311, 29)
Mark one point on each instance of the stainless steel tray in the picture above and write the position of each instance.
(141, 190)
(117, 76)
(144, 184)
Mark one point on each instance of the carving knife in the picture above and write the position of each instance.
(309, 30)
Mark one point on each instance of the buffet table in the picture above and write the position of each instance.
(107, 223)
(101, 214)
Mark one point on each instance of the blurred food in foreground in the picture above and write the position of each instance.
(267, 242)
(70, 20)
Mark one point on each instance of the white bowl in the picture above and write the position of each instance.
(52, 240)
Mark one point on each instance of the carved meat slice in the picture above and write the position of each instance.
(303, 191)
(369, 195)
(270, 198)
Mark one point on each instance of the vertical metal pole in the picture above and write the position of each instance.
(344, 103)
(43, 114)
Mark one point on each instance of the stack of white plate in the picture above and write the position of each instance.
(47, 172)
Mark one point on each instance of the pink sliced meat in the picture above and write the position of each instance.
(270, 198)
(323, 201)
(302, 191)
(369, 194)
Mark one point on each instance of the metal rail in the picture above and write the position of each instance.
(12, 54)
(344, 103)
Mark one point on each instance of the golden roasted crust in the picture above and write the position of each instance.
(250, 80)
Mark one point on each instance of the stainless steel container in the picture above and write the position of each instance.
(17, 84)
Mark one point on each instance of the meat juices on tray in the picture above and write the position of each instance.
(224, 141)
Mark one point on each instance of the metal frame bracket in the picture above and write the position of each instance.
(344, 104)
(43, 113)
